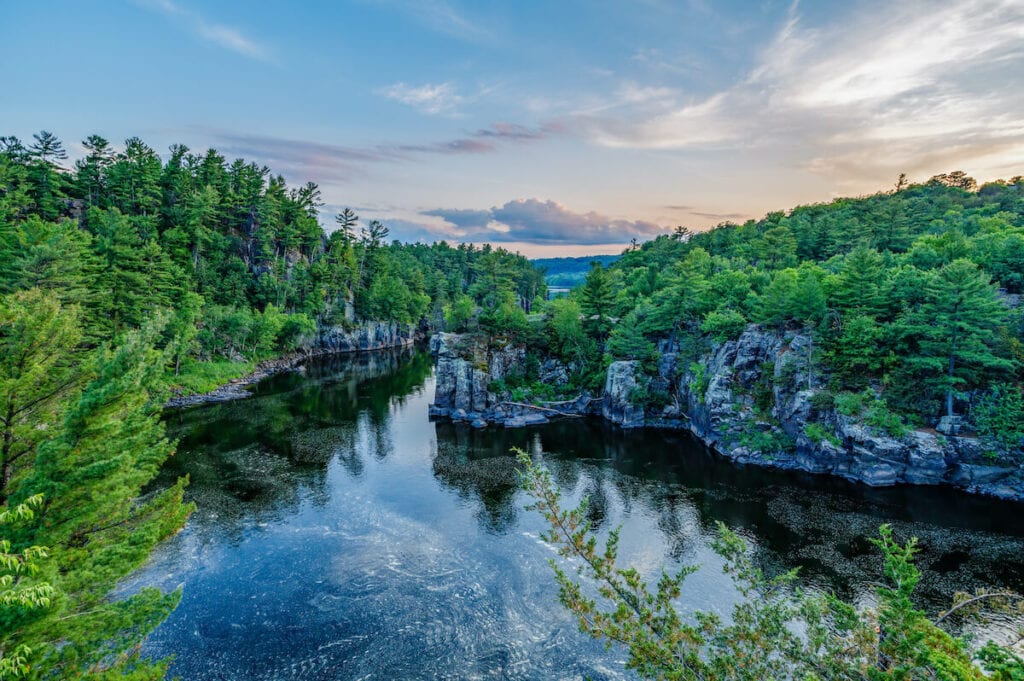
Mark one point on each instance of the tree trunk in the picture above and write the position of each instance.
(949, 389)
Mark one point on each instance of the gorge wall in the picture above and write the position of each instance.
(753, 400)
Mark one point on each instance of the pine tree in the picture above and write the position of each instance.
(857, 288)
(39, 367)
(107, 445)
(596, 300)
(45, 175)
(955, 329)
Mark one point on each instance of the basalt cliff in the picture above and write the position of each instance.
(757, 400)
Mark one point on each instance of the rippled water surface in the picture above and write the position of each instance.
(342, 535)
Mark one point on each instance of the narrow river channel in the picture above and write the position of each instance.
(340, 534)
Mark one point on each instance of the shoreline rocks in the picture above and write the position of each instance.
(744, 399)
(330, 340)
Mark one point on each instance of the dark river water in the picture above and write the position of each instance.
(342, 535)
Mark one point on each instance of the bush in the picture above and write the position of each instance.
(700, 381)
(999, 416)
(723, 325)
(876, 412)
(850, 404)
(765, 441)
(823, 401)
(817, 433)
(880, 417)
(458, 315)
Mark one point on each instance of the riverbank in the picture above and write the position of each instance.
(235, 389)
(753, 400)
(329, 340)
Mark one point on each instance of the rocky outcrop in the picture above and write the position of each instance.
(755, 400)
(621, 388)
(365, 336)
(752, 399)
(466, 369)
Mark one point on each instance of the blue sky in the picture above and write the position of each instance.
(548, 127)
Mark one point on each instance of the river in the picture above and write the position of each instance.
(340, 534)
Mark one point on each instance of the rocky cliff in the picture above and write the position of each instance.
(468, 366)
(754, 400)
(759, 399)
(363, 337)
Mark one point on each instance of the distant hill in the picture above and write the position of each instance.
(568, 272)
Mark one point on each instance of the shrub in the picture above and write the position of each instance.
(817, 433)
(723, 325)
(880, 417)
(700, 381)
(849, 404)
(822, 401)
(999, 416)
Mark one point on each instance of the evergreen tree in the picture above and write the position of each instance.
(40, 365)
(858, 287)
(90, 472)
(955, 329)
(596, 300)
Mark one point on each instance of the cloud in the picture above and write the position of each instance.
(895, 88)
(540, 222)
(222, 35)
(440, 99)
(719, 216)
(323, 162)
(441, 16)
(518, 133)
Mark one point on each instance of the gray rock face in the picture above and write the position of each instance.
(464, 369)
(619, 386)
(366, 336)
(746, 393)
(720, 406)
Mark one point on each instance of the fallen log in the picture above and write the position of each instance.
(540, 408)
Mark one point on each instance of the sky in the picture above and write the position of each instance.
(551, 128)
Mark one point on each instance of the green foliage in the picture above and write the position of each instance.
(627, 341)
(817, 433)
(700, 380)
(851, 404)
(124, 235)
(197, 377)
(766, 440)
(84, 438)
(854, 355)
(951, 337)
(874, 411)
(776, 630)
(999, 416)
(880, 417)
(822, 401)
(893, 288)
(596, 299)
(723, 325)
(458, 315)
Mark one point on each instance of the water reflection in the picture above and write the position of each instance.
(340, 534)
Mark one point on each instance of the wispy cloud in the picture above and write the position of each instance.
(442, 16)
(324, 162)
(906, 87)
(434, 99)
(540, 222)
(225, 36)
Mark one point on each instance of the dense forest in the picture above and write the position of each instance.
(911, 298)
(124, 275)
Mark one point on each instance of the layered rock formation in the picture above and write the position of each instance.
(363, 337)
(751, 399)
